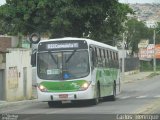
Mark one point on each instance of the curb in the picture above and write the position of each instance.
(136, 76)
(17, 103)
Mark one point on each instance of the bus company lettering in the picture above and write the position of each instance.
(124, 117)
(62, 45)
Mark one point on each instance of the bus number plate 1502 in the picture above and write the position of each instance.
(63, 95)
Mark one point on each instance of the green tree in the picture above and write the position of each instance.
(96, 19)
(136, 31)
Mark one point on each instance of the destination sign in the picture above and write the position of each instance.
(62, 45)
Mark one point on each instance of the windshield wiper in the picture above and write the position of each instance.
(53, 58)
(71, 55)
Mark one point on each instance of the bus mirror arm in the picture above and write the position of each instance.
(33, 59)
(35, 85)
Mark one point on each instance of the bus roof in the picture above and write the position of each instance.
(89, 41)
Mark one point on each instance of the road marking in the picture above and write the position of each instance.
(125, 97)
(141, 97)
(158, 96)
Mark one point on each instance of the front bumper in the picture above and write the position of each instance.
(78, 95)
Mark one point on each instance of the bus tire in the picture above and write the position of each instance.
(95, 101)
(52, 104)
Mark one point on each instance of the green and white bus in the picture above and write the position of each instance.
(72, 69)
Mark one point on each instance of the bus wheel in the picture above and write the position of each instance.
(96, 100)
(52, 104)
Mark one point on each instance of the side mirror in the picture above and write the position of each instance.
(33, 59)
(35, 38)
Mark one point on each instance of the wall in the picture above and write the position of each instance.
(14, 41)
(2, 84)
(5, 42)
(18, 75)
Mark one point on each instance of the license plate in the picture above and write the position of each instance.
(63, 95)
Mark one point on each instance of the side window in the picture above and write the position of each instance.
(96, 56)
(116, 56)
(109, 57)
(97, 52)
(100, 53)
(106, 57)
(110, 54)
(112, 59)
(107, 54)
(103, 57)
(92, 55)
(104, 53)
(113, 54)
(117, 60)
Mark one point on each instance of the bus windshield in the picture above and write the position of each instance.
(63, 65)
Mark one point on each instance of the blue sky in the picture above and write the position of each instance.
(139, 1)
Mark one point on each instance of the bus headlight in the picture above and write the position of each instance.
(42, 88)
(85, 85)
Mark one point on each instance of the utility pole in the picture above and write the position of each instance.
(123, 50)
(154, 55)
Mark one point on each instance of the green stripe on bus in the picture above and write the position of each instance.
(63, 86)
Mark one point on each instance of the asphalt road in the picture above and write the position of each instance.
(136, 97)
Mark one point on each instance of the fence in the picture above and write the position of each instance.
(131, 64)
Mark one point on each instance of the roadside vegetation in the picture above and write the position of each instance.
(154, 74)
(148, 65)
(104, 21)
